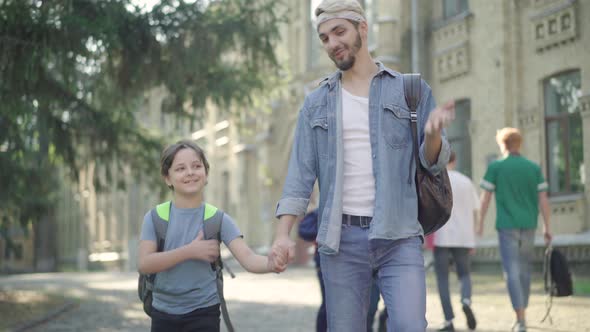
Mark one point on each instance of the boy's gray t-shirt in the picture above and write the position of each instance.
(191, 284)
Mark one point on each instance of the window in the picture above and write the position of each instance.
(563, 127)
(459, 138)
(453, 8)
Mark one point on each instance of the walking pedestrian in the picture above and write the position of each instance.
(520, 190)
(354, 136)
(456, 239)
(185, 295)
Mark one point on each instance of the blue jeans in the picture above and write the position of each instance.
(441, 267)
(398, 267)
(321, 324)
(373, 305)
(516, 250)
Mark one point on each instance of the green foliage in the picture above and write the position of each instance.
(73, 72)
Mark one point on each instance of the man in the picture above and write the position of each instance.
(353, 135)
(520, 191)
(456, 238)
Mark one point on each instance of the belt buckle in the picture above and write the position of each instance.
(362, 222)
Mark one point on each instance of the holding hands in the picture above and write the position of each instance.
(282, 253)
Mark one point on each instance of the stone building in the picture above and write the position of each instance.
(505, 63)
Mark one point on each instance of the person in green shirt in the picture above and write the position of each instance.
(521, 191)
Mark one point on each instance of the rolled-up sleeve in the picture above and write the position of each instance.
(302, 171)
(441, 162)
(427, 104)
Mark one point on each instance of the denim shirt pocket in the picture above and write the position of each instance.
(395, 126)
(319, 126)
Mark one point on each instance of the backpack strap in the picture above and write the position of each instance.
(413, 93)
(547, 280)
(212, 222)
(160, 218)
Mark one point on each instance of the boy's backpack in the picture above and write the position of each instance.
(212, 221)
(435, 198)
(557, 277)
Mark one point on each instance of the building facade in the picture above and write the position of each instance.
(504, 63)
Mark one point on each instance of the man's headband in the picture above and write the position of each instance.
(344, 14)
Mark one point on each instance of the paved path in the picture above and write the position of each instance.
(286, 302)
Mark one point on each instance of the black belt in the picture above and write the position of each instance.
(360, 221)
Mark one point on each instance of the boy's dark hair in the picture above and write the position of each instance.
(170, 152)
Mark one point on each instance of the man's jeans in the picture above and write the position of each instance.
(441, 267)
(399, 270)
(516, 249)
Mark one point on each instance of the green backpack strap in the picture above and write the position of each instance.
(160, 218)
(212, 220)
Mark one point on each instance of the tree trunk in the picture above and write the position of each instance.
(45, 246)
(44, 228)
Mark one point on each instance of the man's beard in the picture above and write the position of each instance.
(346, 64)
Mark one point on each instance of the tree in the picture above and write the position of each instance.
(72, 72)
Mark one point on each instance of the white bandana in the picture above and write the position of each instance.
(344, 14)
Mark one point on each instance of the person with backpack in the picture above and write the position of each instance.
(456, 239)
(521, 191)
(185, 293)
(354, 136)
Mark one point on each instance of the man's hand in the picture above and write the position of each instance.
(272, 266)
(548, 237)
(205, 250)
(479, 228)
(282, 253)
(440, 118)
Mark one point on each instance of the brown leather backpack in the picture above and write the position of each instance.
(435, 198)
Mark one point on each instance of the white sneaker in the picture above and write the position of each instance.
(519, 327)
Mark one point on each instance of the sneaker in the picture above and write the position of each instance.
(519, 327)
(447, 327)
(471, 323)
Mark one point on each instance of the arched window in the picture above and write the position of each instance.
(563, 128)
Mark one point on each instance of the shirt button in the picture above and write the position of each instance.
(374, 156)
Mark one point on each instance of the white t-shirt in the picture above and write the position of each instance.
(459, 230)
(359, 182)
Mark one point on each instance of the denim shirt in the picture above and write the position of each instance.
(317, 153)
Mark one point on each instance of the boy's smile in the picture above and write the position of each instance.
(187, 175)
